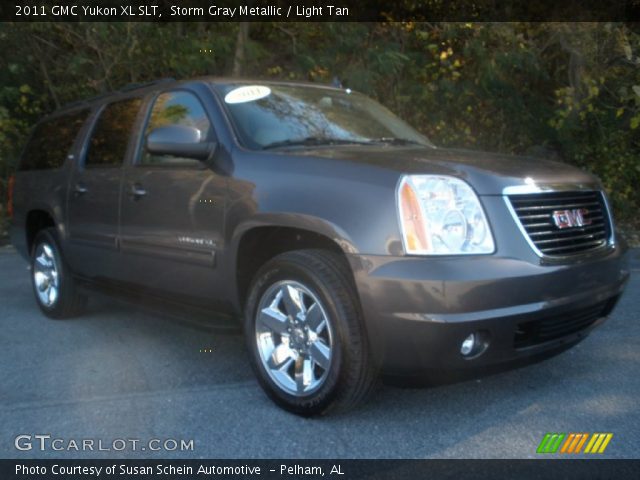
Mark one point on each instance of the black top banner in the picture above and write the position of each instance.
(319, 10)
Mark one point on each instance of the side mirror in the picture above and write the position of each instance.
(179, 141)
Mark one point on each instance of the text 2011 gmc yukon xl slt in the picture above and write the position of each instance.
(349, 243)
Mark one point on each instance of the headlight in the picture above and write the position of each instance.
(441, 215)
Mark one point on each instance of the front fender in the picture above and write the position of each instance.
(355, 207)
(298, 221)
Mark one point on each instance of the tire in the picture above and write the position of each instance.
(305, 334)
(54, 287)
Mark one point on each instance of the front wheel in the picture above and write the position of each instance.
(305, 333)
(53, 285)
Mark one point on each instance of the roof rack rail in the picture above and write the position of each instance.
(126, 88)
(77, 103)
(135, 86)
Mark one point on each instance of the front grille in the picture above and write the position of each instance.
(535, 213)
(551, 327)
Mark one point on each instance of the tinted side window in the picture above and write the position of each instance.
(108, 143)
(176, 108)
(51, 141)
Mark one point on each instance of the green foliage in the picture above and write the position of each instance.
(570, 90)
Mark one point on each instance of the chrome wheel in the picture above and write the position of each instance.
(294, 337)
(46, 275)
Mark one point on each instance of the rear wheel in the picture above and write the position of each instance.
(305, 333)
(54, 287)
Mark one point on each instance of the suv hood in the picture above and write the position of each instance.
(488, 173)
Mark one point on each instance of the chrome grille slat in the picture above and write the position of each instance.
(582, 238)
(581, 247)
(553, 197)
(555, 207)
(531, 227)
(555, 232)
(546, 211)
(532, 209)
(536, 225)
(537, 215)
(593, 215)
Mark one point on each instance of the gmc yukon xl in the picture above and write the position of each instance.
(348, 243)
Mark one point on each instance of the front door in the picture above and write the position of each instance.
(173, 209)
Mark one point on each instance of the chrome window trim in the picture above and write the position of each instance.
(549, 188)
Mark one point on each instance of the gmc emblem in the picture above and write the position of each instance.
(571, 218)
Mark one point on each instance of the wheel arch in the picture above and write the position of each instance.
(256, 242)
(37, 219)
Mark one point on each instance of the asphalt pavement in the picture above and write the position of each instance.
(123, 372)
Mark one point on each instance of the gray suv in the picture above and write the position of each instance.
(348, 243)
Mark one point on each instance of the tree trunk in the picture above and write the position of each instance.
(45, 73)
(241, 45)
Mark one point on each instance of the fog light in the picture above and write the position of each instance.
(475, 344)
(468, 345)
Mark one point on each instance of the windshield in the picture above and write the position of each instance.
(276, 116)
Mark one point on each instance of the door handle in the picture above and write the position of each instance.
(79, 189)
(137, 191)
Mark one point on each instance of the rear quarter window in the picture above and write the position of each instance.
(51, 141)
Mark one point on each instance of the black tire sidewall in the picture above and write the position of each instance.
(317, 402)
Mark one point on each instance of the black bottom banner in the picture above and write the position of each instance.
(316, 469)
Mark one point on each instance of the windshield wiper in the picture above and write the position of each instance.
(310, 141)
(395, 141)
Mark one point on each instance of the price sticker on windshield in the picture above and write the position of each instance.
(250, 93)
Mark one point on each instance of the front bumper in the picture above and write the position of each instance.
(419, 310)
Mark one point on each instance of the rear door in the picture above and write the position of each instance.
(173, 208)
(43, 172)
(93, 203)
